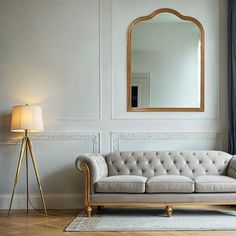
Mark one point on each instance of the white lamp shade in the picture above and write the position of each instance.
(27, 117)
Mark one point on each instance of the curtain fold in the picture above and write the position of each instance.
(232, 74)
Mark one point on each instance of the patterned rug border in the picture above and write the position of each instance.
(96, 220)
(97, 217)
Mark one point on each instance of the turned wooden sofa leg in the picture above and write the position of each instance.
(169, 210)
(89, 211)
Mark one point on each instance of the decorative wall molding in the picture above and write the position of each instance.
(9, 138)
(53, 201)
(117, 137)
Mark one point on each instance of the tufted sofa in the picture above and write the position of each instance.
(158, 178)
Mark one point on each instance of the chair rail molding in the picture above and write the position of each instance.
(9, 138)
(116, 137)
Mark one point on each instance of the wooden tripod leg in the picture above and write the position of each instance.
(27, 177)
(29, 143)
(23, 145)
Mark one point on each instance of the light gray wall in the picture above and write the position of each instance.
(69, 56)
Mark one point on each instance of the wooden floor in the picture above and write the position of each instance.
(35, 224)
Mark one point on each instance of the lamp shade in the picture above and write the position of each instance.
(27, 117)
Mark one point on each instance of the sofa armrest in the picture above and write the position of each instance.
(231, 171)
(96, 164)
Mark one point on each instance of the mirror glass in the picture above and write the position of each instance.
(165, 69)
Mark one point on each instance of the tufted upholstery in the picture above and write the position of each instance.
(187, 163)
(232, 167)
(97, 166)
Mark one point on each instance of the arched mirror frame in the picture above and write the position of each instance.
(129, 64)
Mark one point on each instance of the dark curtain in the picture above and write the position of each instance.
(232, 74)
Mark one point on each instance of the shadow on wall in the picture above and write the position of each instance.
(5, 122)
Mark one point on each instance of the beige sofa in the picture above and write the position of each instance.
(154, 178)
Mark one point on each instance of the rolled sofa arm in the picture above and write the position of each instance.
(231, 172)
(96, 164)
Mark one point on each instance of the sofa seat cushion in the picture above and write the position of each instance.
(215, 184)
(121, 184)
(169, 184)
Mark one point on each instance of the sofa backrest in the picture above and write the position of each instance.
(151, 163)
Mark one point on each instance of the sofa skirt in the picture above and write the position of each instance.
(208, 198)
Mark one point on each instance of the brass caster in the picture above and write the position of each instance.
(89, 211)
(169, 210)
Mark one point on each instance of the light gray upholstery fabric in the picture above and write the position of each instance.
(169, 184)
(121, 184)
(215, 183)
(232, 168)
(151, 163)
(97, 166)
(166, 197)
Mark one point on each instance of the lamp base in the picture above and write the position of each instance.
(25, 146)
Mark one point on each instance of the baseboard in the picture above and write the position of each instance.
(53, 201)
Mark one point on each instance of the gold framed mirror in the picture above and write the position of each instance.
(165, 63)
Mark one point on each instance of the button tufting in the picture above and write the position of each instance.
(162, 162)
(206, 170)
(180, 171)
(187, 162)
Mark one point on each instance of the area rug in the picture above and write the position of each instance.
(154, 220)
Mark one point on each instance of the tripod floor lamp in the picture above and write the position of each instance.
(26, 119)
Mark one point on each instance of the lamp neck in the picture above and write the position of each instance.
(26, 133)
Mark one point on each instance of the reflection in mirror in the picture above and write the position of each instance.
(165, 65)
